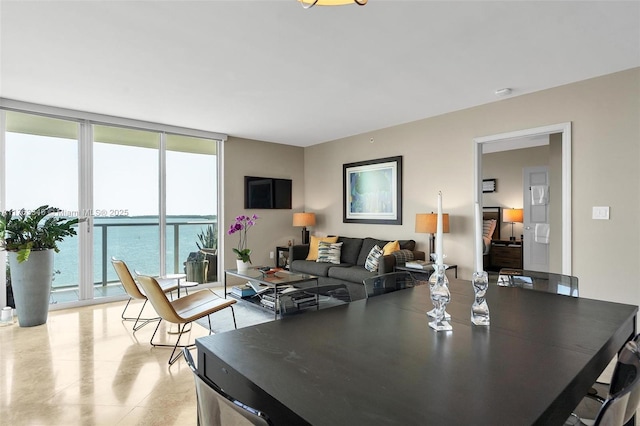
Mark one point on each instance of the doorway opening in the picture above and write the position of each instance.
(508, 141)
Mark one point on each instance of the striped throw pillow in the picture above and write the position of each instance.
(329, 252)
(371, 264)
(488, 226)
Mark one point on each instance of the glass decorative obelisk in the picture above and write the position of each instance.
(440, 295)
(480, 281)
(432, 282)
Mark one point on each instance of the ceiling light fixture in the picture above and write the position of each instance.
(310, 3)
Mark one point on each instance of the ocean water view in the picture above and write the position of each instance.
(135, 240)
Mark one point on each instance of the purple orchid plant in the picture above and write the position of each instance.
(242, 225)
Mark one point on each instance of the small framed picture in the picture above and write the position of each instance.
(488, 185)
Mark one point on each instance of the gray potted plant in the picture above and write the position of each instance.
(30, 239)
(196, 267)
(208, 244)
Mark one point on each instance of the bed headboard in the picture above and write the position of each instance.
(493, 213)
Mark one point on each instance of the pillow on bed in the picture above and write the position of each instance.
(487, 244)
(488, 226)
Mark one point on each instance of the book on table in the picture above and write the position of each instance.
(418, 264)
(244, 290)
(257, 287)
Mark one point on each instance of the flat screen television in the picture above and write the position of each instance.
(267, 193)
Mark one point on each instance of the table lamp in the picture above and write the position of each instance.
(304, 220)
(426, 223)
(513, 216)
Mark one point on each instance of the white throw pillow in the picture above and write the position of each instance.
(329, 252)
(371, 264)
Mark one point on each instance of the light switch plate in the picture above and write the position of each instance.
(601, 212)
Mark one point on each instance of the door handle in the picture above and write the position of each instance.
(528, 228)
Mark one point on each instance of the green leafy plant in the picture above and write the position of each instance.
(33, 230)
(208, 239)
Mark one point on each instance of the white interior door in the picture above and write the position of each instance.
(536, 201)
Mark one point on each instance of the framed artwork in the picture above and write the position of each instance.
(372, 191)
(488, 185)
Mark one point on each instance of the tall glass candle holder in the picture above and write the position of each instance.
(432, 283)
(480, 308)
(440, 296)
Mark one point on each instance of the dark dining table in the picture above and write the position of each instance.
(377, 362)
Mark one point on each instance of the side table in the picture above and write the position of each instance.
(181, 284)
(427, 270)
(506, 254)
(282, 257)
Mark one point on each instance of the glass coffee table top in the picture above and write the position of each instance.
(277, 278)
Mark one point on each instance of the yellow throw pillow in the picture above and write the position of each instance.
(390, 247)
(313, 245)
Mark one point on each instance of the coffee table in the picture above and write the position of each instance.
(274, 280)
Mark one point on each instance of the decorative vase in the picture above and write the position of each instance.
(440, 296)
(241, 265)
(31, 285)
(480, 308)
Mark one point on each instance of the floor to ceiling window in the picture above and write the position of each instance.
(147, 192)
(41, 156)
(191, 171)
(126, 220)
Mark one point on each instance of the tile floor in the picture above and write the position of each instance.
(86, 367)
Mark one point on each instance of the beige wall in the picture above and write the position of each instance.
(438, 155)
(245, 157)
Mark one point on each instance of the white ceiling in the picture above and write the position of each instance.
(272, 71)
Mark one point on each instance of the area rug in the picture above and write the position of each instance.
(247, 314)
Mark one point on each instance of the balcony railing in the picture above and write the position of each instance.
(137, 243)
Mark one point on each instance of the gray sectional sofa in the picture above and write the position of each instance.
(351, 271)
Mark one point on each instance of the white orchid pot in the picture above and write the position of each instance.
(31, 285)
(242, 266)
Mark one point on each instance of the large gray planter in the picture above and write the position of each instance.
(31, 283)
(197, 270)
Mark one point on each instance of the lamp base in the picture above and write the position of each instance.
(432, 241)
(512, 238)
(305, 236)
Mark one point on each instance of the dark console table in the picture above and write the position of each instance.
(376, 361)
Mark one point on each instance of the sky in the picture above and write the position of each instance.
(44, 170)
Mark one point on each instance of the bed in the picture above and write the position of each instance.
(491, 224)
